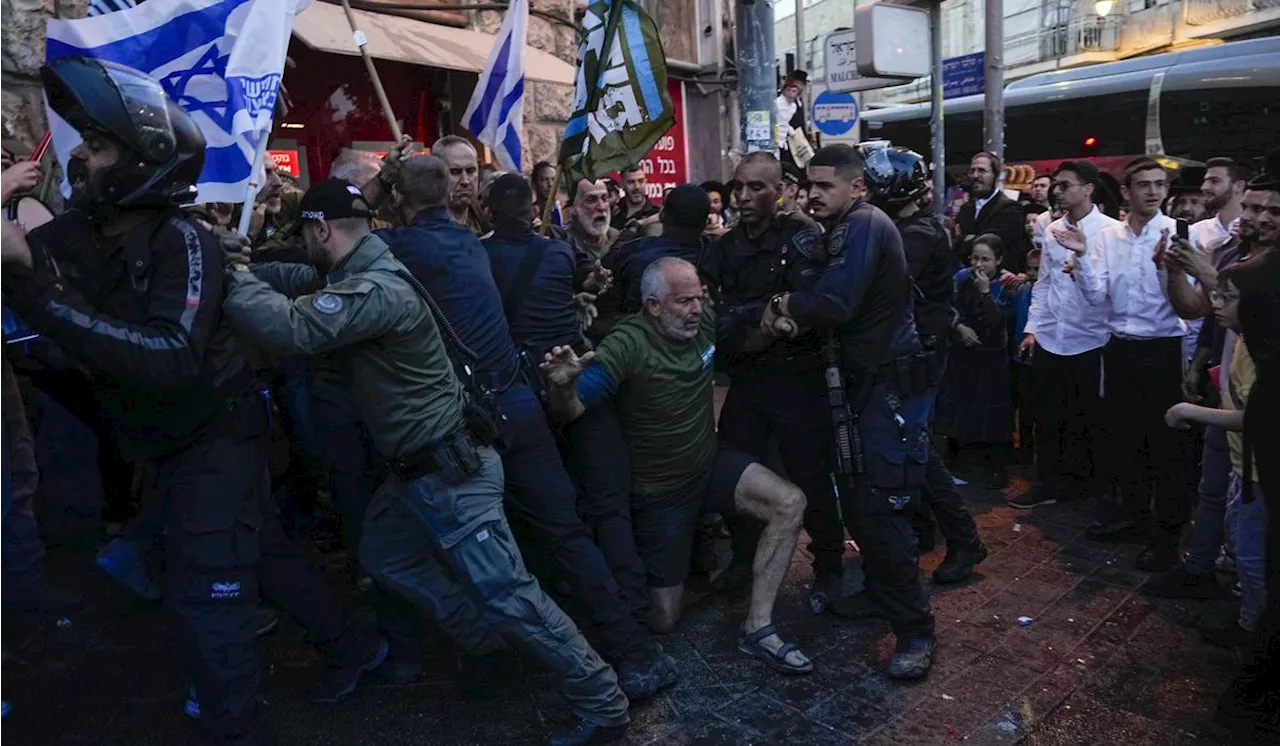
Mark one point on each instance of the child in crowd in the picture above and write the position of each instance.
(1246, 518)
(1021, 371)
(975, 402)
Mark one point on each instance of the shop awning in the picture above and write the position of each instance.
(324, 27)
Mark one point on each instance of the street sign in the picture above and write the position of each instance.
(834, 114)
(840, 60)
(964, 75)
(895, 39)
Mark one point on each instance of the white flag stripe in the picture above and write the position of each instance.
(495, 115)
(220, 60)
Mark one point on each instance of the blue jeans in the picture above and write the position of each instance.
(1247, 535)
(1207, 531)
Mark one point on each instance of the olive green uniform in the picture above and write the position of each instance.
(447, 547)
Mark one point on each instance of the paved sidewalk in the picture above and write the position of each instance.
(1099, 664)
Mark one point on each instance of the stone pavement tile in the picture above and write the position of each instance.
(932, 724)
(1122, 622)
(1120, 571)
(1001, 569)
(975, 637)
(778, 723)
(1031, 545)
(1085, 605)
(844, 711)
(950, 602)
(988, 683)
(710, 731)
(1083, 720)
(1039, 648)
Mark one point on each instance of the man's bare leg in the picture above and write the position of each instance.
(768, 497)
(665, 606)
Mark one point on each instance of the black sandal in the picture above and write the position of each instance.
(749, 643)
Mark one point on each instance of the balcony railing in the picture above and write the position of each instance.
(1079, 36)
(1201, 12)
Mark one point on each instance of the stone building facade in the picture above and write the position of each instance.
(21, 97)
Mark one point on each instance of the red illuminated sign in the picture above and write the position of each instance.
(287, 161)
(667, 164)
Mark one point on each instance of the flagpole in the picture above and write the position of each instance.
(358, 36)
(251, 189)
(550, 206)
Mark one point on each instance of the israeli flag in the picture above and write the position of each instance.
(496, 112)
(221, 60)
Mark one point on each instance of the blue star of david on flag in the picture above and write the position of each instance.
(220, 60)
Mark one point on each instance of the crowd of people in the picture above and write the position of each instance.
(508, 395)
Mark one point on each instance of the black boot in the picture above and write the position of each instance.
(912, 658)
(585, 733)
(959, 562)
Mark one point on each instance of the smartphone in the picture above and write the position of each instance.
(1183, 229)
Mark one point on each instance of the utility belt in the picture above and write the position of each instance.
(909, 375)
(455, 458)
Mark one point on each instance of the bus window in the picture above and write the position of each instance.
(1237, 122)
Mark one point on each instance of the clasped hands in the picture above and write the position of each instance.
(776, 325)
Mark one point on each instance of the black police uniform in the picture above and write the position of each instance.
(864, 298)
(779, 391)
(143, 315)
(628, 261)
(537, 279)
(451, 263)
(933, 266)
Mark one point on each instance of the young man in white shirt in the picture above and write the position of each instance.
(1142, 365)
(1064, 337)
(1223, 191)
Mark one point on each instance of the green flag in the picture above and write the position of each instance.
(621, 106)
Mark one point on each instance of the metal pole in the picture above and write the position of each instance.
(936, 126)
(993, 111)
(251, 188)
(801, 62)
(756, 81)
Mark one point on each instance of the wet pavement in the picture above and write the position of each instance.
(1099, 664)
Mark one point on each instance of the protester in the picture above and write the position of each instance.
(975, 407)
(635, 209)
(990, 210)
(464, 189)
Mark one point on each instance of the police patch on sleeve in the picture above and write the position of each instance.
(327, 303)
(808, 243)
(835, 242)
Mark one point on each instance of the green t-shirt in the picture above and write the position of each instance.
(664, 395)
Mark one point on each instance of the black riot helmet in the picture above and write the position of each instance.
(894, 176)
(165, 147)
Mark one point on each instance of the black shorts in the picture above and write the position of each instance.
(665, 524)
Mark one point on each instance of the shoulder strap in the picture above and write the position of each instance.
(454, 345)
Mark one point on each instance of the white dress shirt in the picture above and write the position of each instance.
(1064, 322)
(1210, 231)
(784, 108)
(1205, 234)
(1121, 270)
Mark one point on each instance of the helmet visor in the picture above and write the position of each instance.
(147, 107)
(878, 165)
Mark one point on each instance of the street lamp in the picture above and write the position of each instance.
(1103, 7)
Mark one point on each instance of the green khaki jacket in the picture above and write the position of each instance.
(378, 329)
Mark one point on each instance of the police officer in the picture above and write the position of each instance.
(452, 264)
(898, 183)
(684, 217)
(435, 532)
(864, 298)
(132, 291)
(778, 388)
(537, 279)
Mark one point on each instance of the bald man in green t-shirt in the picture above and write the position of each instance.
(657, 364)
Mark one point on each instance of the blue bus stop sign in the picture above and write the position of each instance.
(835, 114)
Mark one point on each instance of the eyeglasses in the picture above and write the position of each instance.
(1063, 186)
